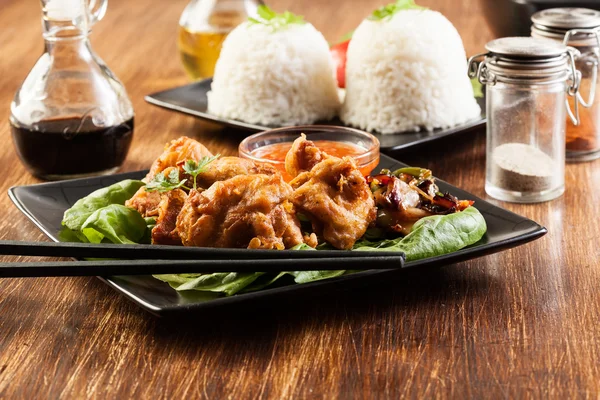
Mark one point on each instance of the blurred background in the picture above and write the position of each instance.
(138, 41)
(153, 28)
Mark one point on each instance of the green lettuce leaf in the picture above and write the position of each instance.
(264, 281)
(312, 276)
(119, 193)
(434, 236)
(302, 246)
(223, 282)
(116, 223)
(67, 235)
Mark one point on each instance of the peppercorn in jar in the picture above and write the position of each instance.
(578, 28)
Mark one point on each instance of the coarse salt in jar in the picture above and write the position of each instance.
(578, 28)
(527, 82)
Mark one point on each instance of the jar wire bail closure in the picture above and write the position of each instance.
(573, 89)
(477, 68)
(596, 33)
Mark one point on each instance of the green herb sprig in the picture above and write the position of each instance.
(275, 21)
(161, 183)
(388, 11)
(194, 168)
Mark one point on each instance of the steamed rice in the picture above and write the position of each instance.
(406, 73)
(274, 77)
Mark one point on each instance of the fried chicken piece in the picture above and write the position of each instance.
(177, 151)
(250, 211)
(224, 168)
(147, 203)
(165, 232)
(221, 169)
(302, 156)
(333, 194)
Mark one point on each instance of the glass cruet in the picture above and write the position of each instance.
(71, 117)
(203, 27)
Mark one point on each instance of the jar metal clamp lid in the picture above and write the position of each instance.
(531, 61)
(576, 27)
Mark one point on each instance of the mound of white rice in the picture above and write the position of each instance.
(274, 77)
(406, 73)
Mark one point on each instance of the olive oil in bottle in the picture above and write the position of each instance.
(203, 27)
(199, 52)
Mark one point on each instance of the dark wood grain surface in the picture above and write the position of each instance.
(519, 324)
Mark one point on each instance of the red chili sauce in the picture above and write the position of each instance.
(277, 152)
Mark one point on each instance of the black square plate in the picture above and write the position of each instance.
(44, 204)
(191, 99)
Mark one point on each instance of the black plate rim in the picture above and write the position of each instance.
(153, 99)
(535, 232)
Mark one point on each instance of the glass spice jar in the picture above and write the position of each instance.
(527, 82)
(578, 28)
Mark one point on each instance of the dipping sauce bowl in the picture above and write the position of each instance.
(272, 146)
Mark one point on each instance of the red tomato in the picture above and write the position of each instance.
(338, 53)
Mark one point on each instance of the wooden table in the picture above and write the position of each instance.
(522, 323)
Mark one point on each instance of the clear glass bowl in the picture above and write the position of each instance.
(361, 146)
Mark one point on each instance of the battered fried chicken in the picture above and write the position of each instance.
(333, 194)
(146, 203)
(250, 211)
(166, 206)
(165, 232)
(176, 152)
(303, 156)
(225, 168)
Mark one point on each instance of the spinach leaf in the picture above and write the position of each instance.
(263, 282)
(302, 246)
(116, 223)
(311, 276)
(67, 235)
(225, 282)
(434, 236)
(119, 193)
(150, 224)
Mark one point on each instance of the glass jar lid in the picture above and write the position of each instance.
(555, 23)
(567, 18)
(525, 60)
(528, 61)
(526, 47)
(527, 57)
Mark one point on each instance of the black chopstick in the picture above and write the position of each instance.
(150, 267)
(155, 252)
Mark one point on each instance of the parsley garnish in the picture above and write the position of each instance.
(275, 21)
(194, 168)
(162, 183)
(387, 12)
